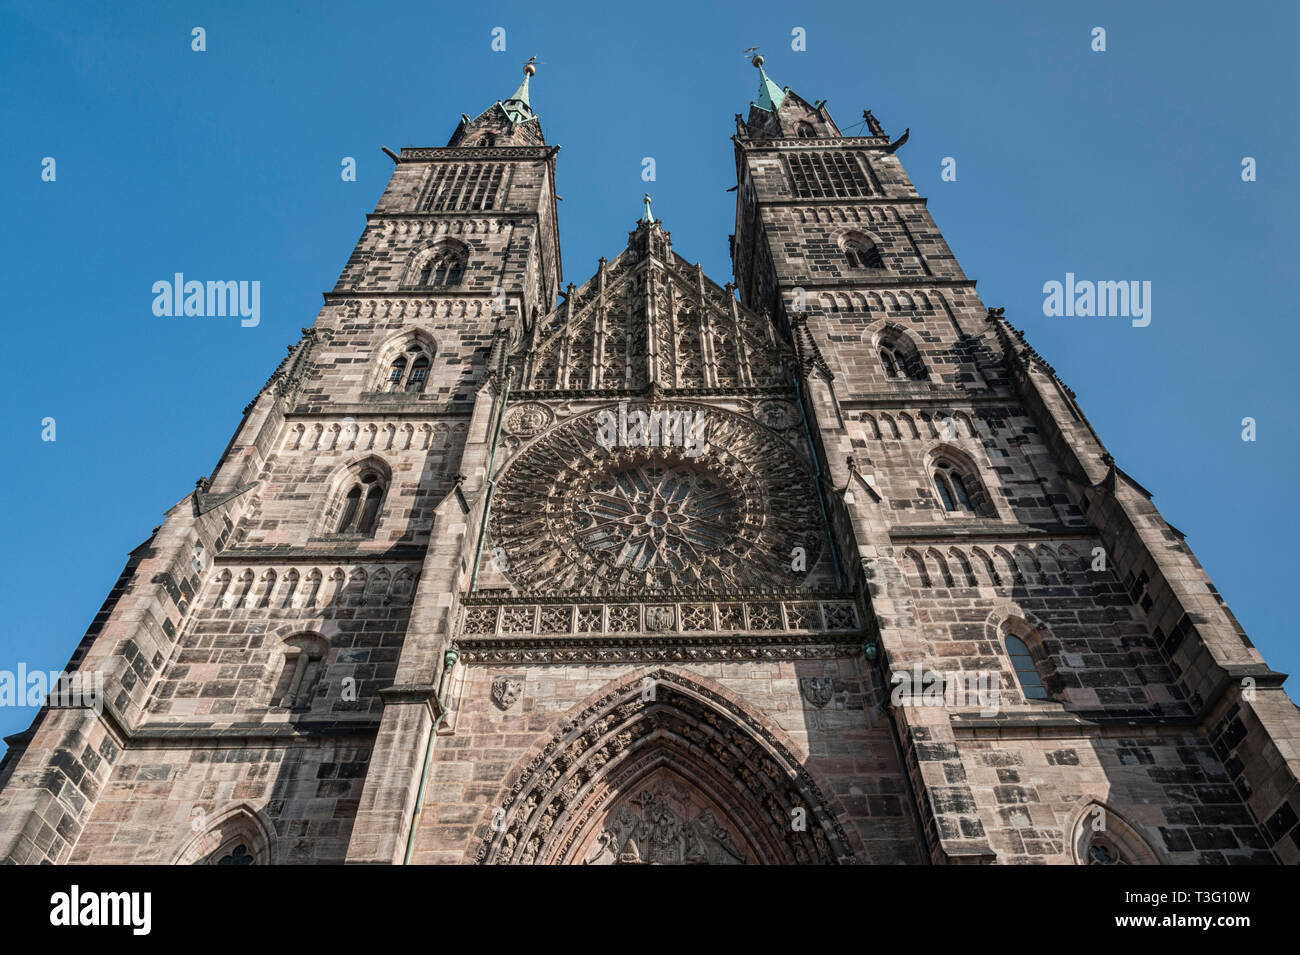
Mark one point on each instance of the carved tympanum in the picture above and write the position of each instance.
(664, 825)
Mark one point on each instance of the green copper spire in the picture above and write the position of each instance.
(517, 106)
(647, 217)
(770, 96)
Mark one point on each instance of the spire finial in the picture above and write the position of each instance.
(517, 106)
(770, 96)
(647, 217)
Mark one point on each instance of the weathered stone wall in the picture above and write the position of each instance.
(1142, 659)
(844, 745)
(158, 798)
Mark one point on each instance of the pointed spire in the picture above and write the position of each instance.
(647, 217)
(517, 106)
(770, 96)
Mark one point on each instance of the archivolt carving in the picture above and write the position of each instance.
(573, 515)
(568, 804)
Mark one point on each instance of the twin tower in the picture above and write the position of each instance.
(888, 601)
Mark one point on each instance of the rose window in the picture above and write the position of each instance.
(654, 517)
(573, 515)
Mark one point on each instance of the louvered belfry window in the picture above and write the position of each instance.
(464, 187)
(827, 175)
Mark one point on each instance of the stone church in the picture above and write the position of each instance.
(824, 564)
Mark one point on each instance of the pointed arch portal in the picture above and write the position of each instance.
(662, 770)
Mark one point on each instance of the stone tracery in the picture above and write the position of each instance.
(573, 515)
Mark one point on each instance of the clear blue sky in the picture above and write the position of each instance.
(225, 164)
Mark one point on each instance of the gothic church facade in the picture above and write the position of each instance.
(670, 572)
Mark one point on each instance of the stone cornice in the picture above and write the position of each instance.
(886, 283)
(458, 153)
(651, 395)
(902, 401)
(459, 216)
(655, 597)
(184, 735)
(239, 735)
(635, 648)
(988, 530)
(418, 694)
(381, 410)
(854, 142)
(244, 555)
(844, 201)
(408, 292)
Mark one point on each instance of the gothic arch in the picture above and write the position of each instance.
(571, 802)
(1070, 563)
(1009, 619)
(896, 340)
(862, 249)
(944, 573)
(1099, 827)
(951, 460)
(442, 248)
(366, 472)
(1016, 619)
(965, 566)
(1010, 569)
(872, 430)
(408, 345)
(299, 666)
(918, 567)
(238, 825)
(985, 563)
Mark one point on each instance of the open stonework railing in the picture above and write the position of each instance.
(511, 629)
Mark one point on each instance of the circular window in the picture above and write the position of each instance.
(738, 511)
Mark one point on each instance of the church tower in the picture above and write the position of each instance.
(822, 565)
(995, 536)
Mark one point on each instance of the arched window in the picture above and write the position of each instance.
(945, 492)
(370, 512)
(806, 131)
(408, 371)
(951, 487)
(489, 139)
(300, 673)
(353, 503)
(445, 268)
(1022, 661)
(899, 356)
(861, 252)
(1101, 851)
(397, 372)
(419, 374)
(959, 488)
(894, 363)
(237, 836)
(238, 855)
(1104, 837)
(361, 503)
